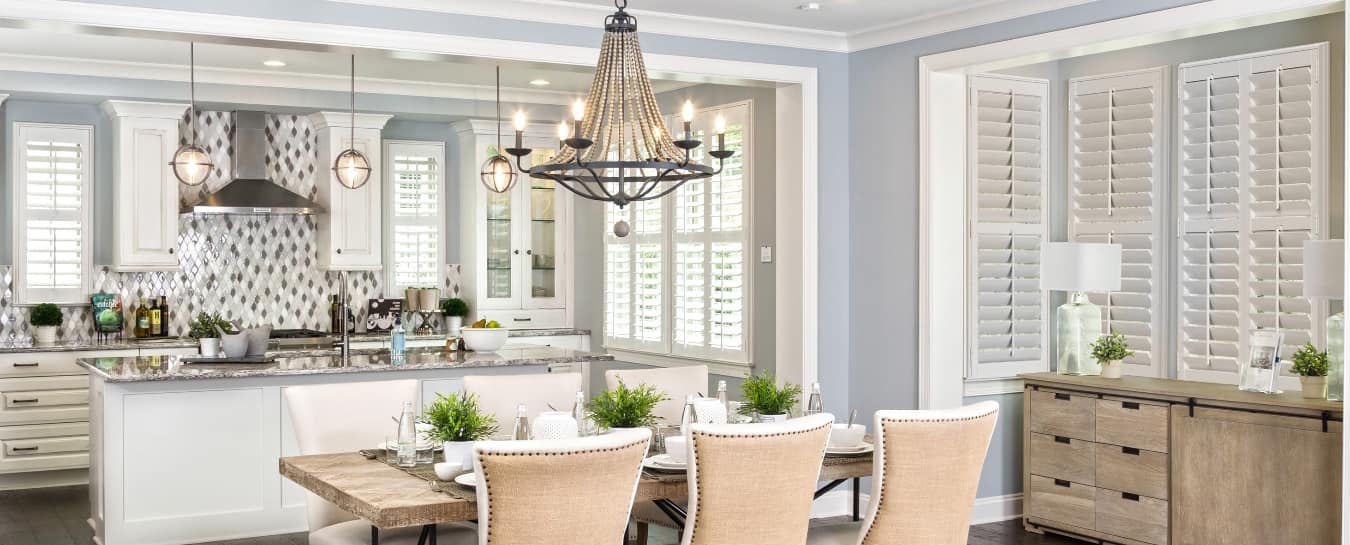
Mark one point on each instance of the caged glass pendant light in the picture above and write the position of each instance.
(497, 174)
(352, 167)
(191, 165)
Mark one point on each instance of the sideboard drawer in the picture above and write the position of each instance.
(1133, 516)
(49, 445)
(1062, 458)
(45, 398)
(1064, 414)
(1132, 423)
(1142, 472)
(1062, 501)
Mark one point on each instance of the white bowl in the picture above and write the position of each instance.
(482, 339)
(677, 447)
(845, 436)
(447, 471)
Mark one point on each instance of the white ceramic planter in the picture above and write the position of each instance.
(453, 325)
(461, 452)
(45, 335)
(1314, 387)
(554, 425)
(1113, 369)
(770, 418)
(209, 347)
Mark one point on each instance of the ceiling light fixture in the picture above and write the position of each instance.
(191, 165)
(620, 150)
(497, 174)
(809, 6)
(352, 167)
(274, 63)
(539, 82)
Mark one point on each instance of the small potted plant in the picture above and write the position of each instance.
(625, 407)
(1311, 368)
(765, 401)
(454, 309)
(45, 318)
(1109, 350)
(457, 421)
(206, 329)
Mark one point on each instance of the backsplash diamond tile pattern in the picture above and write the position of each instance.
(292, 155)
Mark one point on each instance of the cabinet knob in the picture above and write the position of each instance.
(517, 252)
(339, 250)
(529, 252)
(170, 251)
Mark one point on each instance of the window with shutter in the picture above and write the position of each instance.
(53, 174)
(416, 226)
(1007, 131)
(1115, 143)
(1253, 171)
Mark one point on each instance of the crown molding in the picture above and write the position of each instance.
(138, 108)
(564, 12)
(2, 98)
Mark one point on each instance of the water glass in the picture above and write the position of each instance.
(426, 453)
(391, 450)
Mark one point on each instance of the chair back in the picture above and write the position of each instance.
(678, 383)
(753, 484)
(561, 492)
(332, 418)
(925, 472)
(498, 395)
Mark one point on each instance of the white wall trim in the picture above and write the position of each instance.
(996, 509)
(981, 388)
(2, 99)
(943, 213)
(951, 20)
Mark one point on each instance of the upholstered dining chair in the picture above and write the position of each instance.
(925, 471)
(333, 418)
(753, 484)
(560, 492)
(678, 383)
(499, 395)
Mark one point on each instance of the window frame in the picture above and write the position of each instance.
(23, 294)
(664, 353)
(441, 220)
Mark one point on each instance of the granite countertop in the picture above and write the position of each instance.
(89, 344)
(317, 362)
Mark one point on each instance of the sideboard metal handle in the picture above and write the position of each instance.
(1129, 405)
(1063, 483)
(1061, 439)
(28, 364)
(1129, 450)
(24, 449)
(31, 400)
(1129, 496)
(1064, 397)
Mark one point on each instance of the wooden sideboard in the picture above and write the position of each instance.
(1146, 461)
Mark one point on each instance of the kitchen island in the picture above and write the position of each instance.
(186, 452)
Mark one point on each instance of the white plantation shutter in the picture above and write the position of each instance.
(635, 291)
(53, 172)
(1007, 132)
(416, 224)
(1115, 142)
(1254, 169)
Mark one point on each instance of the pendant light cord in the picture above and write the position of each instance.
(192, 91)
(353, 102)
(499, 110)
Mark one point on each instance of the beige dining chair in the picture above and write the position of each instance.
(334, 418)
(678, 383)
(753, 484)
(499, 395)
(925, 471)
(558, 492)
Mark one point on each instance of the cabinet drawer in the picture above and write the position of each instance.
(1142, 472)
(50, 445)
(1062, 501)
(45, 398)
(35, 400)
(1132, 423)
(1132, 516)
(1062, 458)
(1063, 414)
(36, 364)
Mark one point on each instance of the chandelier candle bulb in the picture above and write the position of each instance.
(720, 125)
(688, 114)
(520, 128)
(562, 134)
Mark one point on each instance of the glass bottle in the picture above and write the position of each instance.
(142, 320)
(164, 316)
(522, 430)
(1336, 357)
(397, 340)
(407, 437)
(722, 397)
(815, 404)
(689, 416)
(155, 318)
(1079, 325)
(579, 414)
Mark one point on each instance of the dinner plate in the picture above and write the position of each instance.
(662, 462)
(469, 479)
(860, 449)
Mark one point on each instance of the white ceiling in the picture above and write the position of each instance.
(834, 15)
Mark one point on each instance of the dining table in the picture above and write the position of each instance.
(389, 497)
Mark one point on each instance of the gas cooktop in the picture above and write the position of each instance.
(290, 338)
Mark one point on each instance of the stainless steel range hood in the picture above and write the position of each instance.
(251, 192)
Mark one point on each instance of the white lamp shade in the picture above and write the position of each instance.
(1080, 266)
(1324, 268)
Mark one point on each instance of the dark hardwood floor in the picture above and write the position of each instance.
(56, 516)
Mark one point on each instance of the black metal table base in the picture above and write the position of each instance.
(427, 537)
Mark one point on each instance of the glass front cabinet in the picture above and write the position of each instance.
(514, 247)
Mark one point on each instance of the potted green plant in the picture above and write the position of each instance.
(1311, 367)
(206, 329)
(45, 318)
(454, 309)
(765, 400)
(625, 407)
(1109, 350)
(457, 421)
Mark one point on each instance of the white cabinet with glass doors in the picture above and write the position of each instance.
(515, 246)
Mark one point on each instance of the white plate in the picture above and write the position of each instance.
(860, 449)
(664, 463)
(469, 479)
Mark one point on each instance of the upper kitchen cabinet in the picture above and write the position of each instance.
(349, 231)
(515, 246)
(145, 210)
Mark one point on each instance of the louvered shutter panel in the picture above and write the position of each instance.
(415, 221)
(1007, 131)
(1255, 135)
(53, 252)
(619, 270)
(1115, 133)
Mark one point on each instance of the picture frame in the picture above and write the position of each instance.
(1260, 371)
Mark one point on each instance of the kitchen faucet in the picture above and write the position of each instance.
(343, 344)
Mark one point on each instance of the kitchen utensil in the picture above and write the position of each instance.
(233, 345)
(257, 339)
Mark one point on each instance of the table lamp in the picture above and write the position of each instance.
(1078, 268)
(1324, 277)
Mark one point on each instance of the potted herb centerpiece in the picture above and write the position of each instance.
(1311, 368)
(625, 407)
(454, 309)
(765, 401)
(1109, 350)
(457, 421)
(204, 329)
(45, 318)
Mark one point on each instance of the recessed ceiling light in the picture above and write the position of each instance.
(809, 6)
(274, 63)
(539, 82)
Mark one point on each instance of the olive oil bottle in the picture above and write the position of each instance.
(142, 320)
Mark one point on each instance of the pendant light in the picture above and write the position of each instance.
(352, 167)
(191, 165)
(497, 174)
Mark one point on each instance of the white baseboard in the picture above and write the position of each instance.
(996, 509)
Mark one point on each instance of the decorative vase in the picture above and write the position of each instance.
(210, 347)
(1336, 357)
(771, 418)
(45, 335)
(1112, 369)
(554, 425)
(461, 452)
(1314, 387)
(453, 324)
